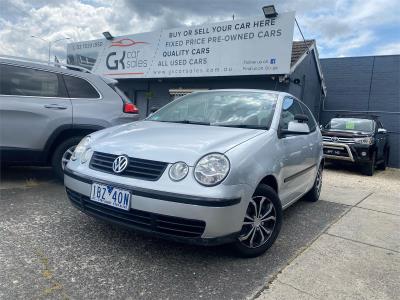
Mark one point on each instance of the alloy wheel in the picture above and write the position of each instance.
(259, 222)
(67, 156)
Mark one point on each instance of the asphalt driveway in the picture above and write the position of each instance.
(48, 249)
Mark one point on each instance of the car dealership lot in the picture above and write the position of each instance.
(48, 249)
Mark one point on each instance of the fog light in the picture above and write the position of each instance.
(363, 153)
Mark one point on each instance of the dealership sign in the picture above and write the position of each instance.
(243, 47)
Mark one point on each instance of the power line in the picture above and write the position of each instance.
(298, 26)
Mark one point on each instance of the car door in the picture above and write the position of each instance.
(314, 146)
(90, 107)
(295, 152)
(33, 105)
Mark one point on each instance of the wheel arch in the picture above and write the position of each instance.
(271, 181)
(65, 132)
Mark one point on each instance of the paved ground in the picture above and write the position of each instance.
(50, 250)
(357, 257)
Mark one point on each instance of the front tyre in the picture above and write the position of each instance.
(382, 165)
(369, 168)
(315, 192)
(261, 224)
(62, 154)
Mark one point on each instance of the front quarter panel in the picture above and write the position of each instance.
(253, 160)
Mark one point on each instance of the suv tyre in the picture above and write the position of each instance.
(369, 168)
(261, 224)
(382, 166)
(62, 154)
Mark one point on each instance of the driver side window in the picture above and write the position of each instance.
(290, 108)
(311, 121)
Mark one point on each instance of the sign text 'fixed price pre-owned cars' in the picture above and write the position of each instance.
(243, 47)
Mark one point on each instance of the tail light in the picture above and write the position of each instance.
(130, 108)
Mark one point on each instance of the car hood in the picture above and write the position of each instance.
(170, 142)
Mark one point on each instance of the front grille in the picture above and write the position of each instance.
(138, 219)
(342, 140)
(137, 168)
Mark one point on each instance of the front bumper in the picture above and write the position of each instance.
(356, 153)
(192, 219)
(337, 151)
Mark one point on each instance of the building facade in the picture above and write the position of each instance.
(305, 81)
(369, 84)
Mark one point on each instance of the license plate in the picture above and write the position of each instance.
(109, 195)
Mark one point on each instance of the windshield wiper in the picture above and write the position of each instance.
(242, 126)
(190, 122)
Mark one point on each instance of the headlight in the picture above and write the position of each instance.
(211, 169)
(365, 140)
(81, 148)
(86, 155)
(178, 171)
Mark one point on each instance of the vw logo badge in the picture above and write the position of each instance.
(120, 164)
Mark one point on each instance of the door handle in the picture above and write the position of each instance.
(55, 106)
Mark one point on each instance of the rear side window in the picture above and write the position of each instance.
(311, 121)
(22, 81)
(120, 93)
(80, 88)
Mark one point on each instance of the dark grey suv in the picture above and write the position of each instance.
(46, 110)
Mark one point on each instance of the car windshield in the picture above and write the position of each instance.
(351, 124)
(242, 109)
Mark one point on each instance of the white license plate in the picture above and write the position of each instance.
(107, 194)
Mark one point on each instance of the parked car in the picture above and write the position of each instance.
(46, 110)
(359, 139)
(211, 167)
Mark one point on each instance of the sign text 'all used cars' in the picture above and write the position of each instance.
(239, 47)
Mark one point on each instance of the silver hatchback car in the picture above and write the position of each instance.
(210, 168)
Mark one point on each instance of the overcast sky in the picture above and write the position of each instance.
(341, 28)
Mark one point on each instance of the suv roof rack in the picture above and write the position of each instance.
(52, 64)
(355, 114)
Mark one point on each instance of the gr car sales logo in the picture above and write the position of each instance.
(126, 59)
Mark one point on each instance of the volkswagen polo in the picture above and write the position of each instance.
(209, 168)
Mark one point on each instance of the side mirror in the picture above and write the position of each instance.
(381, 130)
(153, 109)
(321, 127)
(298, 128)
(295, 128)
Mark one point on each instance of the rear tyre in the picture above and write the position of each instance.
(315, 192)
(382, 166)
(62, 154)
(261, 224)
(369, 168)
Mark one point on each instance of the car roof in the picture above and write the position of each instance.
(64, 69)
(245, 90)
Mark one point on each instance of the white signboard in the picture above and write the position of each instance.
(242, 47)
